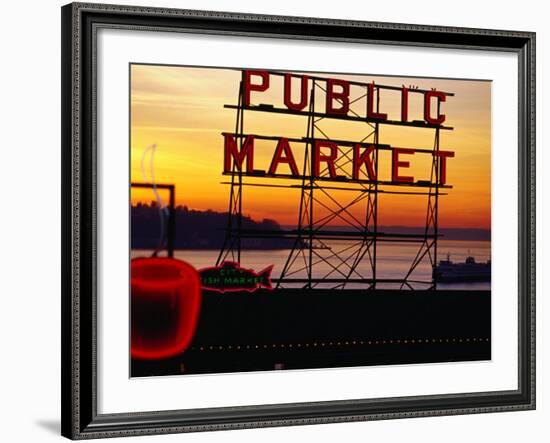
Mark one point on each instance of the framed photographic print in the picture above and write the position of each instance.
(278, 220)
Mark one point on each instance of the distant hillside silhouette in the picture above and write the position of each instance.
(197, 229)
(206, 230)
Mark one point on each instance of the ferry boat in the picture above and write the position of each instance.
(468, 271)
(317, 245)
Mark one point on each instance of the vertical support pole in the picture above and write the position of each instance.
(436, 204)
(311, 182)
(375, 203)
(240, 187)
(171, 221)
(235, 205)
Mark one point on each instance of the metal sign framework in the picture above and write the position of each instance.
(312, 262)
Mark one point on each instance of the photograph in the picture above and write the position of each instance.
(294, 220)
(273, 220)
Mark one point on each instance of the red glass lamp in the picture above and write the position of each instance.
(166, 300)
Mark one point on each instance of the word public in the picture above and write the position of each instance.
(325, 153)
(337, 96)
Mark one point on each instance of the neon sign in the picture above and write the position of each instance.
(239, 148)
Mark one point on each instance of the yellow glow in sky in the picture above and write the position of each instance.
(181, 110)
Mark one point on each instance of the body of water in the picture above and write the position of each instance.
(393, 261)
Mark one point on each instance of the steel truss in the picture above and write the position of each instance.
(347, 257)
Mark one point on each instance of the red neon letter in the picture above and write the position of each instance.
(396, 164)
(283, 148)
(248, 86)
(370, 104)
(404, 104)
(231, 150)
(288, 93)
(441, 97)
(360, 159)
(328, 159)
(342, 97)
(443, 164)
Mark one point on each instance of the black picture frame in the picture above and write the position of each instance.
(79, 210)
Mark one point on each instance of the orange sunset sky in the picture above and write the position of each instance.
(181, 109)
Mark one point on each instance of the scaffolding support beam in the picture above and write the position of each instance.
(341, 256)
